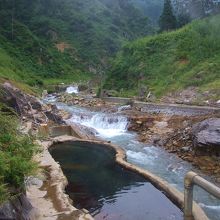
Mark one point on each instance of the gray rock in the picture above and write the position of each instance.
(207, 133)
(82, 87)
(35, 103)
(124, 107)
(185, 149)
(18, 100)
(18, 208)
(33, 181)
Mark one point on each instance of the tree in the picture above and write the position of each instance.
(167, 20)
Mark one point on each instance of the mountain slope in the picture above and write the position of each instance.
(169, 62)
(94, 28)
(57, 40)
(31, 60)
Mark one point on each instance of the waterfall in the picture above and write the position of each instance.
(106, 125)
(50, 99)
(72, 89)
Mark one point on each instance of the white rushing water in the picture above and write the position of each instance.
(72, 89)
(106, 126)
(113, 127)
(50, 99)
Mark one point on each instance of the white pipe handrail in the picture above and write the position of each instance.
(192, 179)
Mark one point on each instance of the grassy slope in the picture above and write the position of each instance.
(96, 28)
(16, 153)
(35, 62)
(93, 31)
(170, 61)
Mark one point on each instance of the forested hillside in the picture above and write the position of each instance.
(171, 61)
(45, 42)
(64, 38)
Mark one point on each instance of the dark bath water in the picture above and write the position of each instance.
(107, 190)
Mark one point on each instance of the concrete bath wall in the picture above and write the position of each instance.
(172, 193)
(56, 131)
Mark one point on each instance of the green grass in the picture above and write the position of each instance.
(93, 30)
(21, 62)
(170, 61)
(16, 152)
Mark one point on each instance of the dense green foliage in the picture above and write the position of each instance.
(46, 42)
(32, 34)
(16, 153)
(170, 61)
(27, 58)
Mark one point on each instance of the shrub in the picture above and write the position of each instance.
(16, 152)
(3, 193)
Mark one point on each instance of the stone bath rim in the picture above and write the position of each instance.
(120, 158)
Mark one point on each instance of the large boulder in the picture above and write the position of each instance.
(206, 134)
(18, 100)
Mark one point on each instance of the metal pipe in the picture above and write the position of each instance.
(207, 186)
(188, 195)
(190, 180)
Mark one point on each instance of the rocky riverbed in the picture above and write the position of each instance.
(178, 134)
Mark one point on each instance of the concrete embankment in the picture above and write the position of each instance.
(170, 109)
(46, 192)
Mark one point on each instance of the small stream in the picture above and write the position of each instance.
(113, 127)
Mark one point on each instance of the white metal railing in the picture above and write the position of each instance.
(192, 179)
